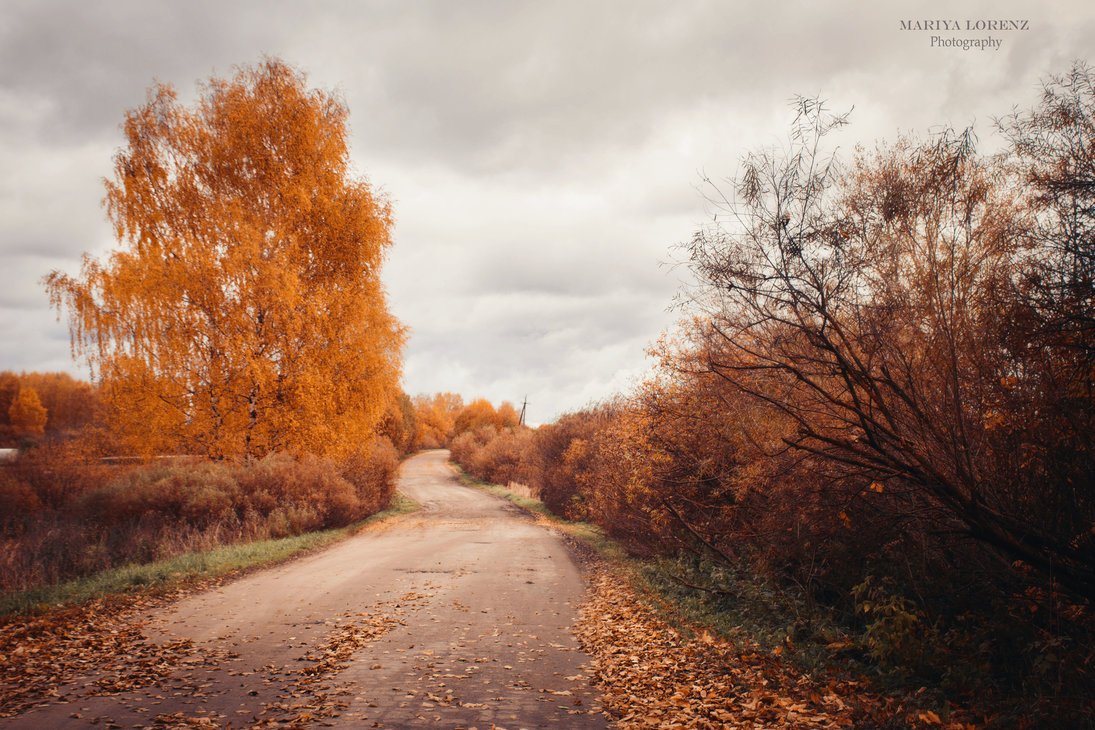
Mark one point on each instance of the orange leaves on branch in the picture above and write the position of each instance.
(244, 312)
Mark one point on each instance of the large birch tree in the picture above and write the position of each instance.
(243, 311)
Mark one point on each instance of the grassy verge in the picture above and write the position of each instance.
(190, 567)
(746, 607)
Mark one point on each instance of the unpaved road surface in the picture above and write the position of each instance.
(456, 616)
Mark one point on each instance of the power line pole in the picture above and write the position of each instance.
(524, 405)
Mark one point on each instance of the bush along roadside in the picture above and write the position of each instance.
(188, 570)
(668, 652)
(65, 515)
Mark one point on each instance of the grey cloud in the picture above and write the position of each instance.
(542, 157)
(91, 61)
(38, 342)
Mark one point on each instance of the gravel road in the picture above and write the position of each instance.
(456, 616)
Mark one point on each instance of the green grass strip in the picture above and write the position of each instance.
(189, 567)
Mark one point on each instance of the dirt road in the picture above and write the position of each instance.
(455, 616)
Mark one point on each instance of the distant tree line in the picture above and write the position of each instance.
(34, 406)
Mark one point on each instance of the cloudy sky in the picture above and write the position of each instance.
(543, 157)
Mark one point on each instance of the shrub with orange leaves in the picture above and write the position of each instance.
(60, 472)
(109, 515)
(181, 492)
(19, 504)
(372, 472)
(559, 478)
(465, 448)
(294, 495)
(500, 456)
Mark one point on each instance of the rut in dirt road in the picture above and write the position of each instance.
(456, 616)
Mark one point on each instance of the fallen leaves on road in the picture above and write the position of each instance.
(41, 655)
(182, 721)
(335, 653)
(652, 677)
(309, 697)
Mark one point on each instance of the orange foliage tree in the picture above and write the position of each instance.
(507, 416)
(28, 416)
(434, 419)
(481, 413)
(475, 415)
(244, 313)
(398, 425)
(69, 403)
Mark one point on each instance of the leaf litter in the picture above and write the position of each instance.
(43, 657)
(654, 676)
(101, 649)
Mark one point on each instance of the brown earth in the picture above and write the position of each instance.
(457, 616)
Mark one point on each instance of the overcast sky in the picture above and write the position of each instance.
(543, 157)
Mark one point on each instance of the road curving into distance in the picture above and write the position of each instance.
(456, 616)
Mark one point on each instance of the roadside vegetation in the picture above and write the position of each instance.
(65, 517)
(189, 567)
(870, 441)
(704, 665)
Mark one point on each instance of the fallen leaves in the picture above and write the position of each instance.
(335, 653)
(182, 721)
(40, 656)
(101, 648)
(309, 698)
(653, 678)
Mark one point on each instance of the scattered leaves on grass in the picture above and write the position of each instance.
(653, 677)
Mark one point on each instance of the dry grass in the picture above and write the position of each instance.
(63, 516)
(522, 490)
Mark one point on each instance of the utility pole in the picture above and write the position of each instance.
(524, 405)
